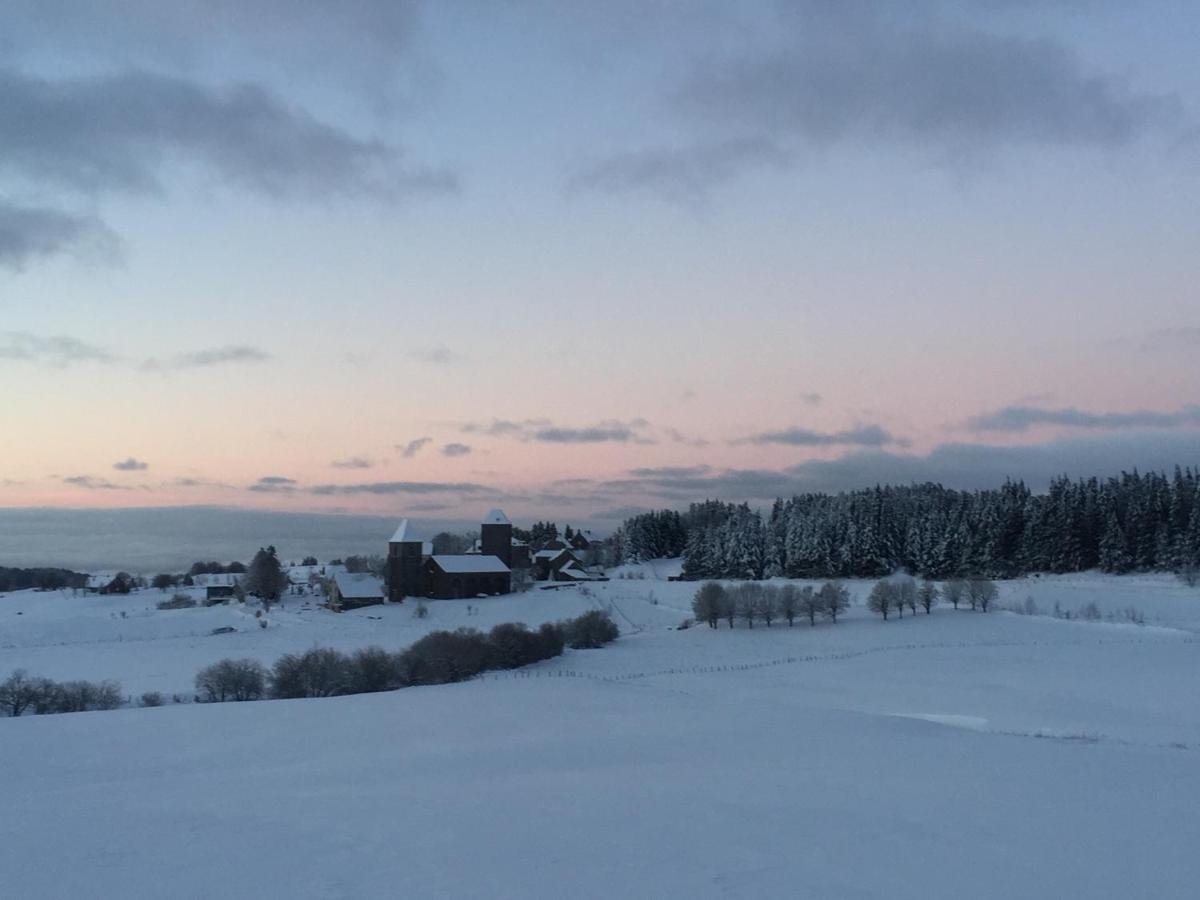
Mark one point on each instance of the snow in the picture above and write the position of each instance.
(405, 533)
(358, 586)
(458, 564)
(496, 517)
(957, 754)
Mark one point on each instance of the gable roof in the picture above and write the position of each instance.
(358, 586)
(496, 517)
(405, 534)
(470, 564)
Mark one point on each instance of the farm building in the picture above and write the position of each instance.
(350, 590)
(413, 571)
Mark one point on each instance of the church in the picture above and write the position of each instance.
(413, 570)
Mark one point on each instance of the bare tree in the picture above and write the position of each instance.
(748, 602)
(928, 595)
(982, 593)
(811, 603)
(882, 598)
(835, 599)
(708, 603)
(954, 591)
(768, 605)
(789, 603)
(906, 594)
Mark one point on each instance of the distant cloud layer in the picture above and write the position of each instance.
(352, 462)
(274, 484)
(383, 488)
(202, 359)
(859, 436)
(1022, 418)
(544, 431)
(93, 484)
(455, 449)
(131, 465)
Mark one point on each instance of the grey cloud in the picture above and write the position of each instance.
(809, 398)
(861, 436)
(114, 132)
(928, 76)
(974, 466)
(455, 449)
(215, 356)
(402, 487)
(57, 350)
(436, 356)
(412, 448)
(672, 472)
(93, 484)
(131, 465)
(30, 233)
(352, 462)
(680, 173)
(1022, 418)
(619, 513)
(274, 484)
(545, 431)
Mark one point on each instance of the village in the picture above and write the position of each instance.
(500, 560)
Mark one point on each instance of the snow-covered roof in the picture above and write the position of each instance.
(573, 571)
(358, 586)
(470, 564)
(405, 534)
(332, 571)
(551, 553)
(496, 517)
(301, 574)
(216, 579)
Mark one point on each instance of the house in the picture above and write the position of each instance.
(460, 576)
(217, 586)
(414, 571)
(351, 590)
(550, 560)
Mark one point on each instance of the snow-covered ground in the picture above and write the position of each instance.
(958, 754)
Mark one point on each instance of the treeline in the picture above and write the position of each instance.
(1131, 523)
(441, 657)
(46, 579)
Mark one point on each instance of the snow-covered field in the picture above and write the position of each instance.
(959, 754)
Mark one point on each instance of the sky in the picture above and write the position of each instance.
(580, 260)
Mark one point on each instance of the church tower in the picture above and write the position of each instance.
(495, 535)
(404, 564)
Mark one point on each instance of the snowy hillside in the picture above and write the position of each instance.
(957, 754)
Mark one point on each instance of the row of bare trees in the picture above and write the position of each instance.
(751, 602)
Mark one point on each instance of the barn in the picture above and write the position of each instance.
(464, 576)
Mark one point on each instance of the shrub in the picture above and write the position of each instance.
(152, 698)
(443, 657)
(319, 672)
(512, 645)
(593, 629)
(179, 601)
(551, 640)
(18, 693)
(83, 696)
(232, 680)
(373, 669)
